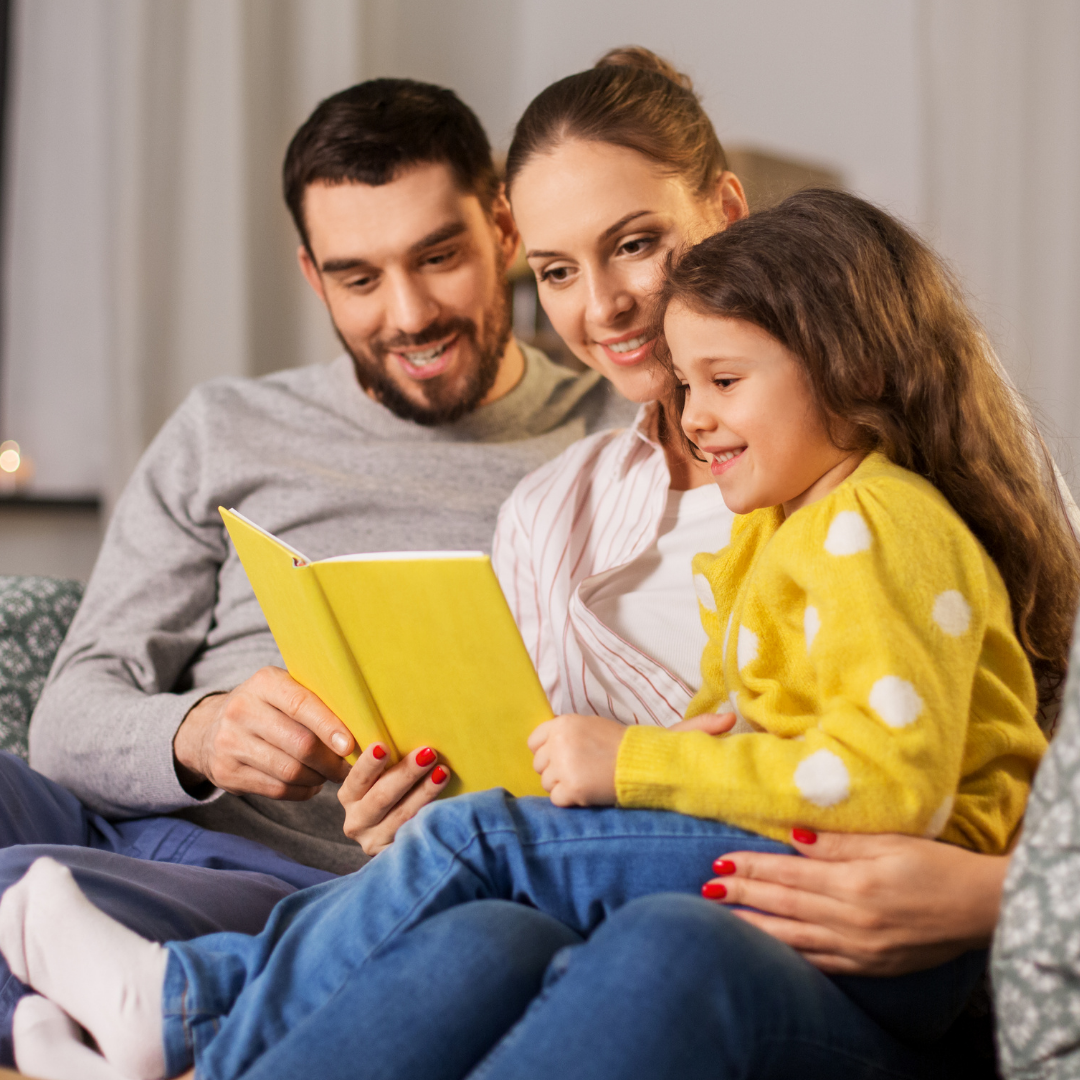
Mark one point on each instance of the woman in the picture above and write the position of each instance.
(669, 197)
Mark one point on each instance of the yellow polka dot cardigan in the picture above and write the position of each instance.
(866, 645)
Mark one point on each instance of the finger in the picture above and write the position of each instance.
(301, 705)
(389, 789)
(427, 790)
(245, 780)
(789, 903)
(542, 759)
(805, 937)
(369, 766)
(842, 847)
(540, 735)
(806, 875)
(271, 761)
(710, 723)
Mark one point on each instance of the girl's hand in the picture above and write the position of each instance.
(575, 757)
(868, 905)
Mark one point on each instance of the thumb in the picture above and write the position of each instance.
(840, 847)
(710, 723)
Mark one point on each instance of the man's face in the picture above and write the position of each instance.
(413, 275)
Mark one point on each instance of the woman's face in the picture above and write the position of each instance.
(598, 222)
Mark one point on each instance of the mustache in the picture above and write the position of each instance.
(429, 335)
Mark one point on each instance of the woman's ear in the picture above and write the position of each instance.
(729, 199)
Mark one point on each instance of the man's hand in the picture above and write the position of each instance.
(868, 905)
(269, 737)
(379, 798)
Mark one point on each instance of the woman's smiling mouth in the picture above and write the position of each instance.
(629, 349)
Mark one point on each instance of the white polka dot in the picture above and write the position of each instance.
(937, 823)
(952, 613)
(727, 634)
(704, 592)
(823, 779)
(747, 647)
(896, 701)
(848, 534)
(811, 622)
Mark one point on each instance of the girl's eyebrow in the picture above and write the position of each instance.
(609, 232)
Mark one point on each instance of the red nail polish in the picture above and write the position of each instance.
(438, 774)
(723, 866)
(425, 756)
(378, 753)
(714, 890)
(804, 836)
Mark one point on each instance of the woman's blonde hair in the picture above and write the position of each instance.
(897, 363)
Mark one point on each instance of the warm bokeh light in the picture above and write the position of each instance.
(10, 458)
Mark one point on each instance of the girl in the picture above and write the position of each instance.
(821, 345)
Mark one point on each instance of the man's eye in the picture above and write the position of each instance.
(362, 283)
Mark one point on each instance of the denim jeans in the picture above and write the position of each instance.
(160, 876)
(669, 987)
(577, 866)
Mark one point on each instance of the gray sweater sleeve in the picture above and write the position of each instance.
(1036, 953)
(105, 723)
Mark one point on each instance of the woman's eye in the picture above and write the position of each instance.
(636, 246)
(554, 275)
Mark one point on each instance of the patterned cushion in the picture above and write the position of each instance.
(34, 616)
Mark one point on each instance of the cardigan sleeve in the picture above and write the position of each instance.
(854, 654)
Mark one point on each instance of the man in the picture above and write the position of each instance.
(167, 697)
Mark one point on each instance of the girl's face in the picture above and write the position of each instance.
(597, 222)
(750, 410)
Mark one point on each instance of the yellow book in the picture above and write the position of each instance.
(408, 648)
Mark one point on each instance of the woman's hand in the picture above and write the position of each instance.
(869, 905)
(379, 798)
(575, 757)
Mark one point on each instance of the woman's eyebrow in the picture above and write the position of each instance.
(609, 232)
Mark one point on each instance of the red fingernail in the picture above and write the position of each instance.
(804, 836)
(425, 756)
(723, 866)
(438, 774)
(378, 753)
(714, 890)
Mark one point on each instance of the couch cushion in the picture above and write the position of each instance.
(35, 613)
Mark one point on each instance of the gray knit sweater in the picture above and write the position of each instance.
(168, 614)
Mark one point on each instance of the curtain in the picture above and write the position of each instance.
(1001, 123)
(147, 246)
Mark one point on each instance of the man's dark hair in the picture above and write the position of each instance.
(368, 133)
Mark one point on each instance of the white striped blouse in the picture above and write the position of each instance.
(564, 531)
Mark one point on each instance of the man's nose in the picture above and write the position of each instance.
(411, 308)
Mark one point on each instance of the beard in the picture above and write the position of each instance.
(447, 397)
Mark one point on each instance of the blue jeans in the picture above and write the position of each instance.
(163, 877)
(669, 987)
(577, 866)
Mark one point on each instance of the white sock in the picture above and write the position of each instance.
(49, 1046)
(99, 972)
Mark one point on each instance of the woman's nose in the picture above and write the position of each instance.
(609, 300)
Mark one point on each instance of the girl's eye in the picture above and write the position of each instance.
(724, 383)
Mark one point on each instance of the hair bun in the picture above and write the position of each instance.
(637, 56)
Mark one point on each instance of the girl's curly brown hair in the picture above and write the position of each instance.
(892, 352)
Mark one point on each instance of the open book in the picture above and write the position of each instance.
(410, 648)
